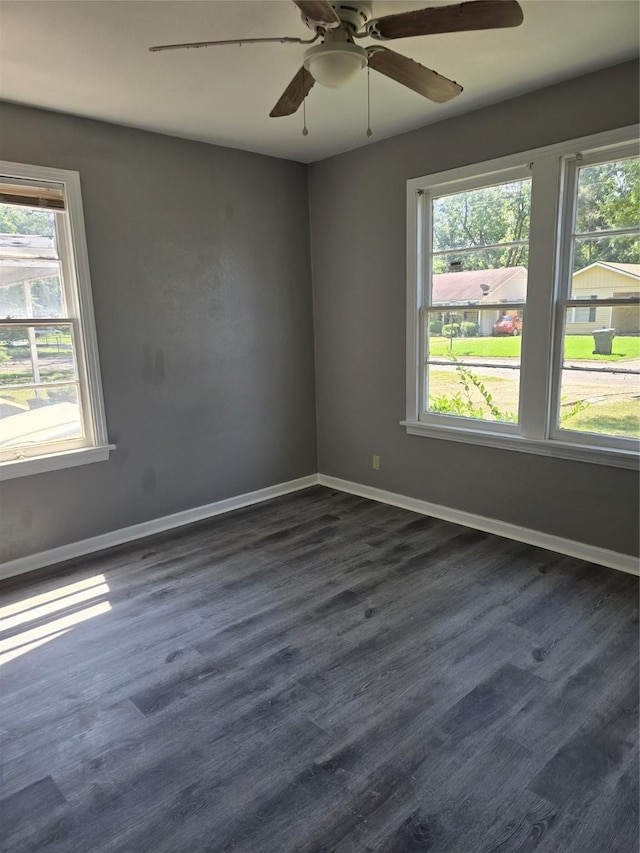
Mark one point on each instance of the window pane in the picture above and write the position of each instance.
(614, 258)
(15, 369)
(47, 298)
(608, 196)
(482, 217)
(31, 289)
(36, 354)
(56, 354)
(481, 277)
(600, 388)
(26, 244)
(479, 257)
(474, 337)
(485, 393)
(35, 415)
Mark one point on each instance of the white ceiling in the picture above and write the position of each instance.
(90, 58)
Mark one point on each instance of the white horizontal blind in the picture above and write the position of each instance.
(32, 195)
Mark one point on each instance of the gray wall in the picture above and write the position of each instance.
(201, 281)
(200, 265)
(359, 264)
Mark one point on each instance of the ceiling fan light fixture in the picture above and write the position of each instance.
(334, 65)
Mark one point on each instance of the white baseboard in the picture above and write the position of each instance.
(590, 553)
(157, 525)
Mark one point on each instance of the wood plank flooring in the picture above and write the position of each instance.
(320, 673)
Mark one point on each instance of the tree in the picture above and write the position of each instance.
(490, 216)
(26, 220)
(608, 198)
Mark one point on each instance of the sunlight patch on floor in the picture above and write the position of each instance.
(52, 607)
(39, 606)
(58, 592)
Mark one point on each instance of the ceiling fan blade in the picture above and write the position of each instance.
(473, 15)
(294, 94)
(319, 11)
(409, 73)
(281, 40)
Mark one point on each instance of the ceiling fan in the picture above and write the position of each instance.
(338, 60)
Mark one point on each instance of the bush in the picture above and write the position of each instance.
(462, 403)
(469, 330)
(435, 327)
(455, 405)
(451, 330)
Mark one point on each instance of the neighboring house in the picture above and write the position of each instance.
(600, 280)
(605, 280)
(470, 288)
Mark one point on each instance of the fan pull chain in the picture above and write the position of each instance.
(369, 131)
(305, 131)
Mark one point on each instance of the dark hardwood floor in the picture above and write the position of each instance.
(320, 673)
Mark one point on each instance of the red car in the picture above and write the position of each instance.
(508, 325)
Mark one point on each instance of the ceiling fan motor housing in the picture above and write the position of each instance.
(353, 16)
(338, 61)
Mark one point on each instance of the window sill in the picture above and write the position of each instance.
(54, 462)
(611, 457)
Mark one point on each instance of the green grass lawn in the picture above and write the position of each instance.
(600, 416)
(21, 396)
(612, 418)
(576, 347)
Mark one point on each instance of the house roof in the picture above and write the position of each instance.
(628, 269)
(19, 272)
(504, 284)
(26, 257)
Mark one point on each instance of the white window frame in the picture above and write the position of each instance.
(479, 181)
(541, 353)
(72, 244)
(565, 302)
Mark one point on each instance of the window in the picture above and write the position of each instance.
(51, 410)
(480, 261)
(523, 302)
(582, 315)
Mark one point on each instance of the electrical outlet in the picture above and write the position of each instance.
(376, 462)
